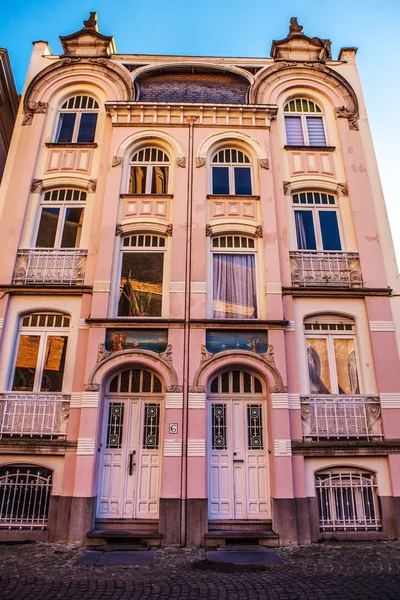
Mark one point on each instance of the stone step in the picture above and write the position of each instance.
(113, 538)
(218, 539)
(240, 525)
(127, 524)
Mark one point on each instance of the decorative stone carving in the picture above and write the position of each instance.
(167, 354)
(268, 356)
(102, 353)
(344, 113)
(119, 230)
(191, 119)
(200, 162)
(259, 231)
(294, 27)
(91, 387)
(92, 185)
(181, 161)
(197, 389)
(36, 185)
(70, 61)
(286, 187)
(208, 230)
(169, 229)
(116, 161)
(205, 354)
(31, 109)
(278, 389)
(98, 61)
(91, 22)
(264, 163)
(343, 189)
(175, 389)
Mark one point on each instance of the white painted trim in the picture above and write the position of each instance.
(290, 326)
(173, 400)
(177, 286)
(294, 401)
(90, 399)
(273, 288)
(172, 447)
(198, 287)
(85, 446)
(283, 447)
(76, 400)
(280, 401)
(196, 447)
(390, 400)
(382, 326)
(1, 323)
(101, 286)
(197, 400)
(83, 324)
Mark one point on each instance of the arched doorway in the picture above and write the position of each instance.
(238, 482)
(131, 446)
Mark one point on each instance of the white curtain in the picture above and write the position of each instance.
(234, 288)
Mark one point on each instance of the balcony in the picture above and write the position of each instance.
(314, 268)
(341, 417)
(34, 415)
(50, 267)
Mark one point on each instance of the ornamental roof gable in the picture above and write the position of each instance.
(88, 41)
(298, 46)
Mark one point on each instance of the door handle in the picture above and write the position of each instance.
(131, 463)
(238, 460)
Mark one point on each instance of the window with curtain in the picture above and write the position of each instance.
(331, 356)
(149, 172)
(316, 221)
(61, 219)
(231, 172)
(234, 277)
(304, 123)
(77, 120)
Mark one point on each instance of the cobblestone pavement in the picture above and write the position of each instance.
(330, 570)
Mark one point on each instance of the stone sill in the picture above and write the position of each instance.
(27, 446)
(345, 448)
(310, 148)
(71, 145)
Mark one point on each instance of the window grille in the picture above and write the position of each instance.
(24, 497)
(115, 425)
(230, 155)
(80, 102)
(144, 241)
(151, 426)
(328, 327)
(233, 241)
(65, 195)
(313, 198)
(236, 382)
(302, 105)
(255, 427)
(150, 155)
(45, 320)
(218, 426)
(137, 381)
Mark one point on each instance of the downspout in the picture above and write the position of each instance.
(186, 340)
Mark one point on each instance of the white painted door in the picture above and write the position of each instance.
(238, 470)
(130, 460)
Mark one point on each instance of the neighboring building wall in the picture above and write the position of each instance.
(8, 106)
(196, 292)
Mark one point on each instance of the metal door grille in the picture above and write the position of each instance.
(151, 426)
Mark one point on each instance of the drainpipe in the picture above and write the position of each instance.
(186, 340)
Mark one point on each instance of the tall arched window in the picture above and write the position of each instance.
(61, 219)
(304, 123)
(149, 172)
(77, 120)
(231, 172)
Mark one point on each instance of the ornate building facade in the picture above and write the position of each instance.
(198, 343)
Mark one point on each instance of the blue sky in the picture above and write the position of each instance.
(235, 28)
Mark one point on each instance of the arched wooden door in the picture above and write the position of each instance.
(237, 448)
(131, 447)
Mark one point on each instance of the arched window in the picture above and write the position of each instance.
(142, 275)
(149, 172)
(316, 221)
(61, 219)
(304, 123)
(231, 172)
(347, 500)
(40, 358)
(234, 277)
(77, 120)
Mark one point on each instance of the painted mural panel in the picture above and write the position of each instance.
(222, 340)
(129, 339)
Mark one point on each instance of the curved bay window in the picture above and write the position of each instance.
(234, 277)
(42, 346)
(142, 276)
(77, 121)
(304, 123)
(61, 219)
(231, 172)
(149, 172)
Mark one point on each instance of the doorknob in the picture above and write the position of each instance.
(131, 463)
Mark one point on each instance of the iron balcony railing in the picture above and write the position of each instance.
(34, 415)
(312, 268)
(341, 417)
(50, 266)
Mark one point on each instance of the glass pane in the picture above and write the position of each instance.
(54, 362)
(220, 176)
(305, 230)
(329, 230)
(318, 366)
(294, 131)
(25, 366)
(71, 235)
(316, 134)
(159, 180)
(65, 128)
(137, 180)
(346, 366)
(234, 286)
(87, 127)
(141, 284)
(46, 236)
(242, 180)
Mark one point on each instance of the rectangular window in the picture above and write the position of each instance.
(234, 286)
(317, 230)
(66, 126)
(48, 225)
(137, 180)
(305, 230)
(220, 184)
(72, 229)
(329, 230)
(294, 131)
(87, 127)
(25, 366)
(159, 180)
(49, 362)
(60, 227)
(315, 130)
(54, 363)
(141, 284)
(242, 180)
(332, 365)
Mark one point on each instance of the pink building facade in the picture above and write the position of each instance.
(198, 343)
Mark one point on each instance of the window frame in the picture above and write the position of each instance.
(142, 249)
(63, 205)
(150, 165)
(232, 166)
(303, 114)
(315, 210)
(238, 251)
(76, 130)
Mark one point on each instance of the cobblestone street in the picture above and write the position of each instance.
(330, 570)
